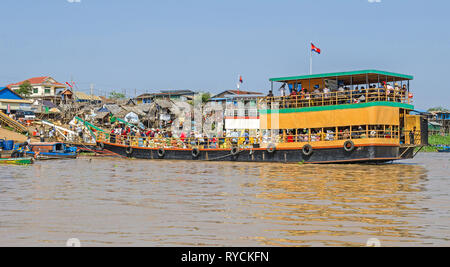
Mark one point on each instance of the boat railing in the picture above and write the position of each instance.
(342, 135)
(414, 138)
(336, 98)
(242, 142)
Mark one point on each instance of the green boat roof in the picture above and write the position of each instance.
(384, 75)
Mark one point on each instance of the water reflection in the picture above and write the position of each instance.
(164, 203)
(339, 201)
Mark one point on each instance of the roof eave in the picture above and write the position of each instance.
(338, 74)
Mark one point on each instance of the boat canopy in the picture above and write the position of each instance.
(350, 77)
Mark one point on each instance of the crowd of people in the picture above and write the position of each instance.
(301, 97)
(153, 138)
(156, 138)
(339, 133)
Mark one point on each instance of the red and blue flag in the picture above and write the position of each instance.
(315, 49)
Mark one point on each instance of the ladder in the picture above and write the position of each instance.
(12, 123)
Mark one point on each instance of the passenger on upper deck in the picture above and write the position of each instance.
(283, 90)
(316, 91)
(293, 93)
(326, 92)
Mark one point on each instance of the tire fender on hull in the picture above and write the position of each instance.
(307, 150)
(195, 153)
(349, 146)
(271, 148)
(161, 153)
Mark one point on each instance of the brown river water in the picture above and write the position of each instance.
(116, 202)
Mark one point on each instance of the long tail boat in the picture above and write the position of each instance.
(345, 117)
(16, 161)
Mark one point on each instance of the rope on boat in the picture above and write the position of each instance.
(110, 153)
(115, 154)
(222, 157)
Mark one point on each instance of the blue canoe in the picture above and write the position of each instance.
(44, 151)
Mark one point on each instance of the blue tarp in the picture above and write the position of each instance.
(103, 110)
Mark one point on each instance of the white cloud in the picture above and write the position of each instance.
(374, 1)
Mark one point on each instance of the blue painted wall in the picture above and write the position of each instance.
(443, 116)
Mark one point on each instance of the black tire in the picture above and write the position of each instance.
(271, 148)
(234, 151)
(307, 150)
(195, 153)
(161, 153)
(16, 154)
(129, 151)
(101, 146)
(349, 146)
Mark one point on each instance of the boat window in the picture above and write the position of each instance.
(59, 147)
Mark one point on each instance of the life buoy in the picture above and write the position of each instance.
(307, 150)
(271, 148)
(235, 151)
(195, 153)
(349, 146)
(161, 152)
(129, 150)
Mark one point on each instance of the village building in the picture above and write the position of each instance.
(240, 109)
(440, 122)
(174, 95)
(66, 96)
(10, 102)
(44, 88)
(106, 100)
(81, 97)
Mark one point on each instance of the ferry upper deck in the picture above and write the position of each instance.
(339, 88)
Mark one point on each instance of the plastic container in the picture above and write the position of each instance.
(8, 145)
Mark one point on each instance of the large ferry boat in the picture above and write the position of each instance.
(345, 117)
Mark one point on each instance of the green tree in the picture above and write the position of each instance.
(438, 109)
(114, 95)
(25, 89)
(206, 97)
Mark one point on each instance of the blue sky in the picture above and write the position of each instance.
(204, 45)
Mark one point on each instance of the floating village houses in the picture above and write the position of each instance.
(52, 100)
(439, 122)
(44, 88)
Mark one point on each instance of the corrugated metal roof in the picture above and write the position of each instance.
(83, 96)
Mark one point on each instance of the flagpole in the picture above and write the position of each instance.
(310, 60)
(238, 85)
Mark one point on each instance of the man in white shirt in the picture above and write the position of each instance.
(326, 91)
(283, 90)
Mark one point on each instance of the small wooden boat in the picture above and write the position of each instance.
(444, 149)
(16, 161)
(48, 151)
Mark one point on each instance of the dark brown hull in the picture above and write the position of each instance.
(362, 154)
